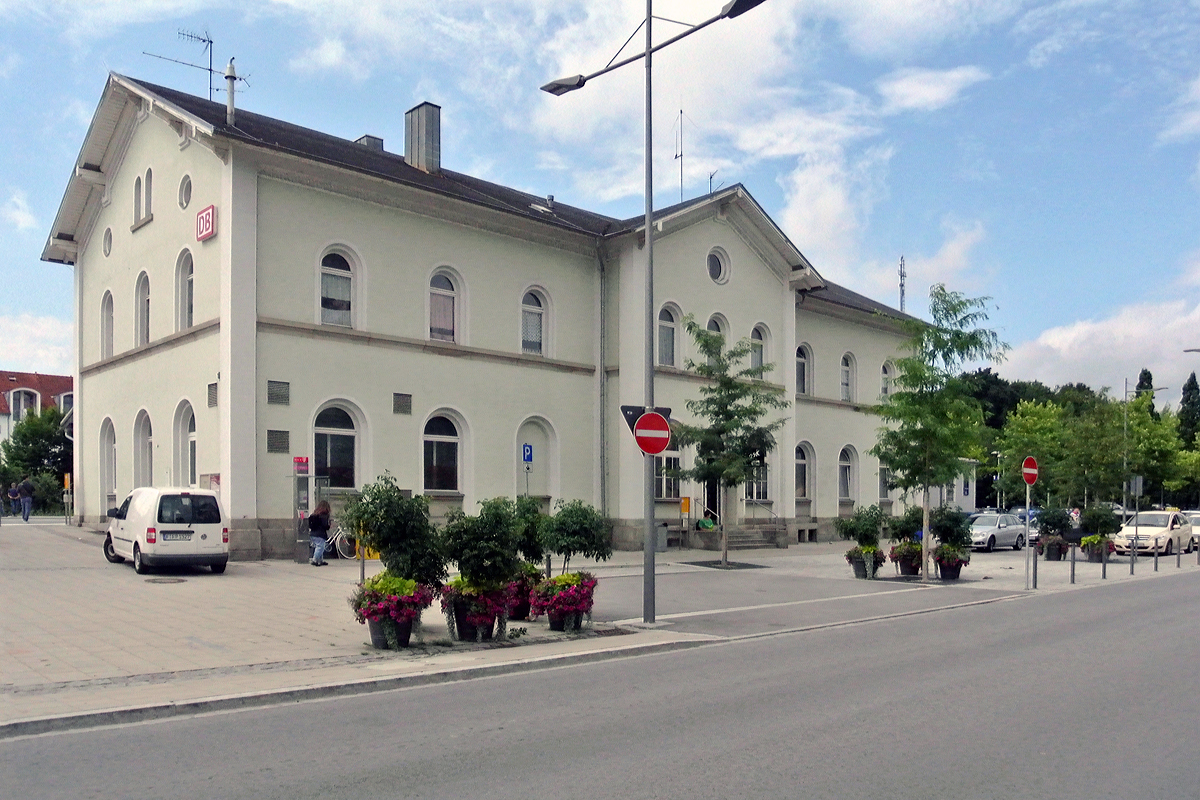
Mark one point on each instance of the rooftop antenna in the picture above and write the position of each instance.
(710, 177)
(207, 41)
(903, 275)
(679, 155)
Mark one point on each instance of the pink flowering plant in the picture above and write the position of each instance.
(388, 599)
(570, 594)
(482, 604)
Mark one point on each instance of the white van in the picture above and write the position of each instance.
(159, 526)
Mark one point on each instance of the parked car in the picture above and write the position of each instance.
(989, 531)
(1171, 530)
(160, 526)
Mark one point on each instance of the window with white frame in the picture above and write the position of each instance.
(108, 465)
(804, 462)
(106, 326)
(885, 380)
(185, 294)
(137, 200)
(143, 451)
(846, 475)
(666, 337)
(143, 198)
(803, 369)
(185, 446)
(885, 480)
(714, 326)
(666, 468)
(334, 439)
(756, 481)
(441, 442)
(21, 403)
(533, 318)
(718, 265)
(442, 297)
(758, 347)
(337, 291)
(142, 312)
(847, 378)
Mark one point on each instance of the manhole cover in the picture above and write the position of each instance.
(730, 565)
(166, 580)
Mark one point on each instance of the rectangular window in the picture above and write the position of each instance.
(666, 485)
(335, 299)
(212, 395)
(666, 345)
(801, 480)
(279, 441)
(441, 317)
(845, 385)
(334, 458)
(844, 482)
(279, 393)
(884, 477)
(441, 466)
(756, 484)
(191, 462)
(531, 332)
(802, 377)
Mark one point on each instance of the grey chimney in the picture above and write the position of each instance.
(230, 82)
(370, 142)
(423, 138)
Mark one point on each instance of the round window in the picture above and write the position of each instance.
(185, 191)
(107, 242)
(718, 267)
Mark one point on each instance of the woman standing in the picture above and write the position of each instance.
(318, 532)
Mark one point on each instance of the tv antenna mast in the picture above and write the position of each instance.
(207, 41)
(903, 275)
(710, 177)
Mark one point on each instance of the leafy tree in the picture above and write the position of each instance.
(484, 546)
(1092, 452)
(732, 442)
(398, 527)
(1145, 386)
(1153, 443)
(1189, 412)
(530, 520)
(37, 444)
(1035, 429)
(951, 527)
(577, 528)
(933, 420)
(1099, 520)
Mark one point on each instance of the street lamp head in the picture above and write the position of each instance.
(736, 8)
(563, 85)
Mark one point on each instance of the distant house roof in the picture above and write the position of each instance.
(48, 386)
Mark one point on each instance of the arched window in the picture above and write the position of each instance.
(337, 289)
(441, 455)
(143, 451)
(758, 347)
(22, 402)
(803, 471)
(137, 200)
(185, 294)
(847, 382)
(108, 465)
(333, 447)
(533, 317)
(803, 370)
(142, 312)
(885, 380)
(666, 338)
(149, 192)
(846, 474)
(185, 446)
(106, 326)
(885, 480)
(442, 296)
(714, 326)
(756, 480)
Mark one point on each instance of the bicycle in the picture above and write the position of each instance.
(342, 543)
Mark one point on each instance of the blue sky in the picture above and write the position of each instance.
(1044, 154)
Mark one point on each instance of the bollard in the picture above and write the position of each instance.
(1178, 557)
(1156, 554)
(1104, 563)
(1035, 570)
(1133, 554)
(1072, 563)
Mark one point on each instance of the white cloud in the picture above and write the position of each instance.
(1185, 115)
(16, 211)
(1103, 352)
(951, 264)
(896, 28)
(38, 344)
(914, 89)
(330, 54)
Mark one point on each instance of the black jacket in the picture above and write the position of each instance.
(318, 525)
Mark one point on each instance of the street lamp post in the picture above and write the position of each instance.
(561, 86)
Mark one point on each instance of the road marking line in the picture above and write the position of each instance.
(685, 614)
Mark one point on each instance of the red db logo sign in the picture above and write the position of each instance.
(206, 223)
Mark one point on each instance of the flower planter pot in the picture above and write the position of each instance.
(949, 572)
(469, 631)
(520, 611)
(860, 568)
(1054, 553)
(1095, 556)
(910, 567)
(379, 637)
(564, 622)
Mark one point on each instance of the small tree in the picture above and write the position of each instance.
(1189, 412)
(398, 527)
(484, 546)
(732, 443)
(1099, 520)
(577, 528)
(38, 444)
(529, 528)
(933, 420)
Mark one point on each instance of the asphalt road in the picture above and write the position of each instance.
(1084, 694)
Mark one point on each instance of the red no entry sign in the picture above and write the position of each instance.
(1029, 470)
(652, 433)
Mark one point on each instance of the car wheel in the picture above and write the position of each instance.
(109, 553)
(1020, 542)
(1170, 544)
(139, 566)
(991, 543)
(218, 569)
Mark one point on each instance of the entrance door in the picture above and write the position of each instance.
(712, 497)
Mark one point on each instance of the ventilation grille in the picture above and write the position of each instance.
(279, 393)
(212, 395)
(279, 441)
(401, 403)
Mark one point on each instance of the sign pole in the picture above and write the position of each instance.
(1028, 546)
(1029, 473)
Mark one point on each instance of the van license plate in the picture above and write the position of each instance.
(176, 537)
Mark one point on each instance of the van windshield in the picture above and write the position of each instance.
(188, 509)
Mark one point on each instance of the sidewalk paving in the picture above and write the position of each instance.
(86, 642)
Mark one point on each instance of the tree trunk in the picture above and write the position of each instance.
(724, 529)
(925, 535)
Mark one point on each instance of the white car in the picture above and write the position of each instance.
(1170, 530)
(168, 526)
(989, 531)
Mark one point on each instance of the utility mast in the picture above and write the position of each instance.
(903, 275)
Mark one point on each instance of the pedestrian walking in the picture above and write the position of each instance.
(14, 499)
(25, 492)
(318, 533)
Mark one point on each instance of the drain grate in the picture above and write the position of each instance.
(166, 580)
(731, 565)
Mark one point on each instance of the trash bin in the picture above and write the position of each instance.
(302, 552)
(660, 541)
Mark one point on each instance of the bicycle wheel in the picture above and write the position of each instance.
(346, 546)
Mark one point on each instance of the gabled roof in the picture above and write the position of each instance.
(841, 296)
(48, 386)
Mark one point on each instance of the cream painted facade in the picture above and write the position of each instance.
(260, 361)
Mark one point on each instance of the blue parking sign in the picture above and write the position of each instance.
(527, 453)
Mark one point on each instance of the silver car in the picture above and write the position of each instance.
(989, 531)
